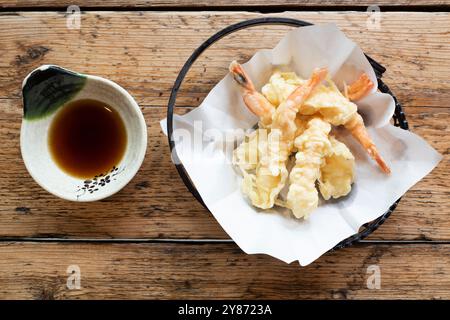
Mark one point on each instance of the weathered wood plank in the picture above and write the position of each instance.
(292, 4)
(170, 271)
(156, 204)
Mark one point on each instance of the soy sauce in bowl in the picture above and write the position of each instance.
(86, 138)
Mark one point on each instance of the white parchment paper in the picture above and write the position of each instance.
(273, 232)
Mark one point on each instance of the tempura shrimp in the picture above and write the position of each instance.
(313, 146)
(262, 188)
(356, 91)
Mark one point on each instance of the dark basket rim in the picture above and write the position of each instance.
(399, 116)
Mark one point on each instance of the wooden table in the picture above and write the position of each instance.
(152, 239)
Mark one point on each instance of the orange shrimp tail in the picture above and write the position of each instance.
(318, 76)
(375, 155)
(359, 132)
(241, 76)
(301, 94)
(255, 101)
(381, 163)
(360, 88)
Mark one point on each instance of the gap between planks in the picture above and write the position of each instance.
(254, 9)
(196, 241)
(164, 271)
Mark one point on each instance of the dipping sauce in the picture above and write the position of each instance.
(87, 138)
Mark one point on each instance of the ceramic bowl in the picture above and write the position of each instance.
(46, 91)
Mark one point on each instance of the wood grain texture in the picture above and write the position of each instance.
(208, 271)
(292, 4)
(143, 51)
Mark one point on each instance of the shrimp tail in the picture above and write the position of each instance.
(359, 132)
(241, 76)
(255, 101)
(318, 76)
(360, 88)
(302, 93)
